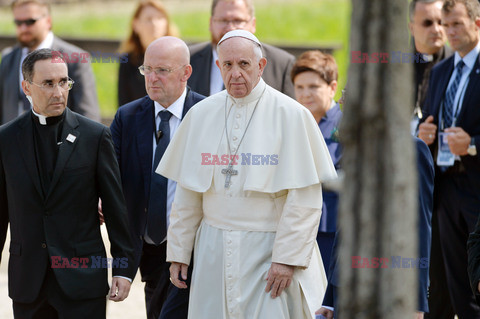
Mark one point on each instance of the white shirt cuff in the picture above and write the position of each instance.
(124, 278)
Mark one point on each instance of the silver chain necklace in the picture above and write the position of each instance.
(229, 171)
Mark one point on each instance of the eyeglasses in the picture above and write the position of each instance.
(65, 85)
(236, 23)
(27, 22)
(147, 70)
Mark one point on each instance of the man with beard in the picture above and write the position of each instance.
(228, 15)
(33, 26)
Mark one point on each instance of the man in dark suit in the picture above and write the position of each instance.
(54, 167)
(429, 40)
(33, 27)
(140, 137)
(228, 15)
(425, 206)
(452, 130)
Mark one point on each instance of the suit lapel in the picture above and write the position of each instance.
(443, 85)
(25, 139)
(66, 148)
(145, 129)
(189, 102)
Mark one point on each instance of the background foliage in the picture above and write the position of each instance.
(302, 22)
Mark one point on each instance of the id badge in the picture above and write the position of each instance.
(444, 156)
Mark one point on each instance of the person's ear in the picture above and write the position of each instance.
(262, 63)
(254, 25)
(187, 72)
(333, 87)
(26, 87)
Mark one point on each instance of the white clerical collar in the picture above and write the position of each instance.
(427, 57)
(176, 108)
(253, 96)
(42, 119)
(470, 58)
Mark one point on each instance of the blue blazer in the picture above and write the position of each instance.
(132, 132)
(329, 127)
(426, 177)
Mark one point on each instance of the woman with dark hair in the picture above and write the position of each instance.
(314, 76)
(149, 22)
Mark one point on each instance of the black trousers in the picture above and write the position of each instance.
(155, 273)
(439, 304)
(163, 300)
(457, 209)
(52, 303)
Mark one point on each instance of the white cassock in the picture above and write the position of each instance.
(269, 213)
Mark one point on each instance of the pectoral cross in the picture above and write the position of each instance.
(229, 171)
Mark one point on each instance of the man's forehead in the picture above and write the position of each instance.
(49, 70)
(29, 9)
(236, 47)
(426, 10)
(231, 8)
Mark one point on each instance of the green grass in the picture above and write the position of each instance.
(294, 22)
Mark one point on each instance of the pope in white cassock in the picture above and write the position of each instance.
(248, 162)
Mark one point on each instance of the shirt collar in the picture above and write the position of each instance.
(255, 94)
(470, 58)
(331, 110)
(214, 53)
(44, 120)
(176, 108)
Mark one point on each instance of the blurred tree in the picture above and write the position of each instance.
(378, 209)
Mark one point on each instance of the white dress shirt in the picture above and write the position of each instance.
(177, 111)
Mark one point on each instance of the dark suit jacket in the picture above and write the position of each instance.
(276, 73)
(65, 222)
(426, 176)
(468, 118)
(81, 99)
(132, 131)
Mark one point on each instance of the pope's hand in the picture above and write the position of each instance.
(177, 269)
(120, 289)
(279, 278)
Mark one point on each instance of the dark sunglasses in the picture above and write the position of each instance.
(27, 22)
